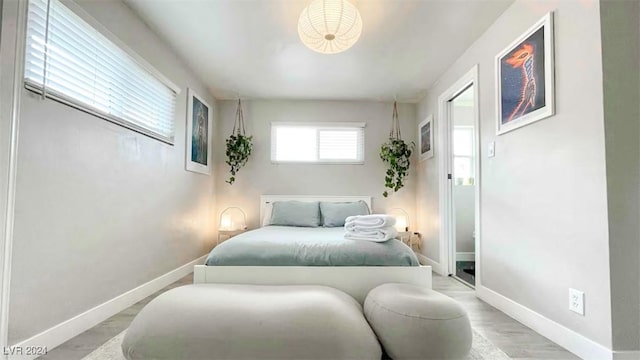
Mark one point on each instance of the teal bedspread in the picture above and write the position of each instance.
(299, 246)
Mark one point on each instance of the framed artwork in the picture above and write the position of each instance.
(425, 141)
(525, 78)
(199, 134)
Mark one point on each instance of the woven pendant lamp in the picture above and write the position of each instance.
(330, 26)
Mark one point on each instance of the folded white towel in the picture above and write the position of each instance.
(369, 222)
(375, 235)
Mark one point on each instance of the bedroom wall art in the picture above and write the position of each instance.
(525, 78)
(425, 138)
(199, 134)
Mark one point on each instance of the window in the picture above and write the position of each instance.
(69, 61)
(463, 163)
(341, 143)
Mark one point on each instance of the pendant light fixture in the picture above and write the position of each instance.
(330, 26)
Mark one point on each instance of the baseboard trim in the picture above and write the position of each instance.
(66, 330)
(435, 266)
(561, 335)
(626, 355)
(465, 256)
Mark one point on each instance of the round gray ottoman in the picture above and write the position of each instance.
(417, 323)
(216, 321)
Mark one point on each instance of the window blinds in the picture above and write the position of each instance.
(69, 61)
(318, 143)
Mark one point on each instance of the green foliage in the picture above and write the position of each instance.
(238, 150)
(395, 153)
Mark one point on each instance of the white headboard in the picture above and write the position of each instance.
(266, 199)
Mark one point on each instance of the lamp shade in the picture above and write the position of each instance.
(329, 26)
(401, 223)
(402, 219)
(232, 219)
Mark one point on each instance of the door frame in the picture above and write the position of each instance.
(447, 229)
(11, 85)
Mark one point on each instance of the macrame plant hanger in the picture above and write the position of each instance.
(395, 124)
(238, 145)
(239, 122)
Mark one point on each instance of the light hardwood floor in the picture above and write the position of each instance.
(516, 340)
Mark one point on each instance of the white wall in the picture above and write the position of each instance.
(261, 177)
(621, 66)
(101, 209)
(544, 196)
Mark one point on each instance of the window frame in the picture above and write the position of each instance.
(361, 126)
(79, 105)
(471, 158)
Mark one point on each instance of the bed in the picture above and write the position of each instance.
(277, 255)
(305, 246)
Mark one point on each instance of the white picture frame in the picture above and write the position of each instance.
(425, 138)
(199, 126)
(519, 75)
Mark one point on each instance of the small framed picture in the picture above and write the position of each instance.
(425, 133)
(525, 78)
(199, 134)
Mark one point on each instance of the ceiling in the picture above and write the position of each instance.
(250, 48)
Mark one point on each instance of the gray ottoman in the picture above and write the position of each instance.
(215, 321)
(418, 323)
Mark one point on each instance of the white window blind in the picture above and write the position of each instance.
(341, 143)
(69, 61)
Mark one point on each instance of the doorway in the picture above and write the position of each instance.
(463, 186)
(460, 185)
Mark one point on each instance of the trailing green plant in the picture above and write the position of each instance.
(239, 146)
(239, 149)
(396, 154)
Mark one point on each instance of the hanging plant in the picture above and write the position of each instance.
(396, 154)
(239, 146)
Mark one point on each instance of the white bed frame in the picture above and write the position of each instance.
(356, 281)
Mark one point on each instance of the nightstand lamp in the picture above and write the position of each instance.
(402, 219)
(402, 225)
(233, 221)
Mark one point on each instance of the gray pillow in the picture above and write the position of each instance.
(295, 213)
(334, 214)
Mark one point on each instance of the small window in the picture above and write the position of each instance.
(325, 143)
(69, 61)
(463, 157)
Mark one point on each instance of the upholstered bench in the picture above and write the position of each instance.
(418, 323)
(215, 321)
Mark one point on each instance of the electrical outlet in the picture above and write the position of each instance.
(492, 149)
(576, 301)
